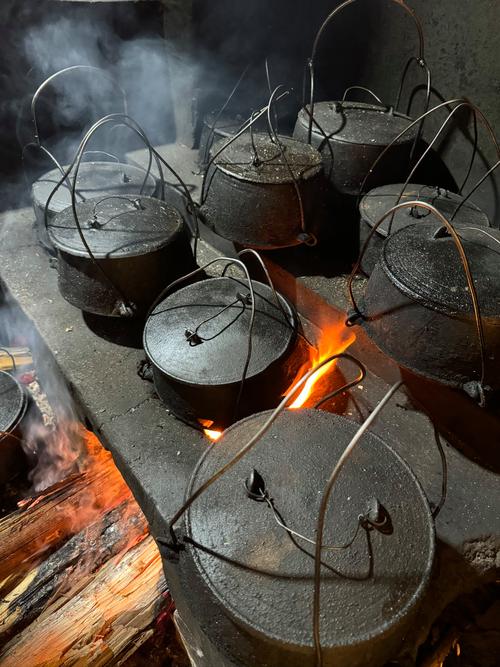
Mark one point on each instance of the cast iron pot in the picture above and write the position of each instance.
(417, 306)
(197, 342)
(13, 418)
(251, 192)
(379, 200)
(138, 246)
(95, 180)
(351, 135)
(250, 583)
(357, 134)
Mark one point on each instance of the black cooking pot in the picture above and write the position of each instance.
(249, 582)
(197, 340)
(95, 180)
(137, 244)
(422, 309)
(379, 200)
(265, 193)
(13, 410)
(351, 135)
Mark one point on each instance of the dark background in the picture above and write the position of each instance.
(367, 45)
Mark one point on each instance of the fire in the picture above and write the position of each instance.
(333, 340)
(212, 434)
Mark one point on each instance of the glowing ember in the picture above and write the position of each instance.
(334, 340)
(212, 434)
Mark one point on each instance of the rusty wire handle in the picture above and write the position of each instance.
(321, 31)
(428, 87)
(459, 102)
(365, 90)
(250, 444)
(346, 454)
(56, 75)
(357, 314)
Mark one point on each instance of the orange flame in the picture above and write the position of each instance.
(212, 434)
(333, 340)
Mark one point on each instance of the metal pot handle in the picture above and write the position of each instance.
(125, 307)
(364, 89)
(322, 29)
(37, 141)
(355, 315)
(423, 65)
(459, 102)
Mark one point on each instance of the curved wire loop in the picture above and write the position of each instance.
(252, 442)
(322, 516)
(56, 75)
(321, 31)
(365, 90)
(125, 306)
(428, 87)
(475, 187)
(459, 103)
(357, 314)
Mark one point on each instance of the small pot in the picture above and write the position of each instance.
(356, 134)
(379, 200)
(249, 582)
(139, 245)
(14, 404)
(250, 193)
(417, 306)
(197, 342)
(95, 180)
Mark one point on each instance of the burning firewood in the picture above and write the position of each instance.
(96, 623)
(75, 561)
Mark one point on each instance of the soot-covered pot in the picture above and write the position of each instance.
(356, 135)
(138, 246)
(351, 135)
(379, 200)
(197, 340)
(265, 193)
(418, 309)
(95, 180)
(250, 583)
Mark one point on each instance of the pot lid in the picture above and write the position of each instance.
(12, 400)
(379, 200)
(221, 307)
(236, 160)
(425, 265)
(94, 179)
(359, 123)
(116, 226)
(263, 579)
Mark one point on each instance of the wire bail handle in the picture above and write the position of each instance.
(356, 314)
(319, 34)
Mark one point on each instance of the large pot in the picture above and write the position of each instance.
(250, 583)
(351, 135)
(197, 342)
(418, 305)
(379, 200)
(95, 180)
(138, 246)
(262, 194)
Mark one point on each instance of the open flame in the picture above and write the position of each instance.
(212, 434)
(334, 339)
